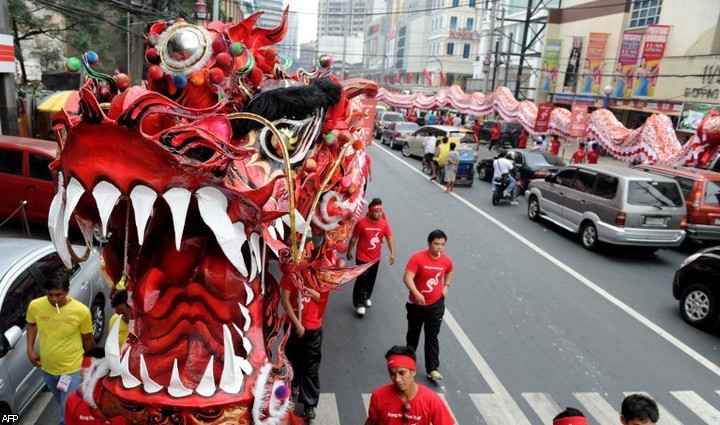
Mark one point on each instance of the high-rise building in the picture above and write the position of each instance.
(341, 29)
(289, 45)
(272, 15)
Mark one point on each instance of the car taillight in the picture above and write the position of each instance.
(683, 222)
(620, 218)
(697, 195)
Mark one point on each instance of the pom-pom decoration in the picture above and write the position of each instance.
(121, 80)
(236, 49)
(219, 45)
(222, 59)
(180, 81)
(325, 61)
(152, 39)
(152, 56)
(216, 75)
(92, 57)
(197, 78)
(73, 64)
(155, 73)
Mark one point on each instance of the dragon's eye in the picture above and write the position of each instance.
(184, 47)
(299, 136)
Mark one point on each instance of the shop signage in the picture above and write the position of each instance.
(464, 34)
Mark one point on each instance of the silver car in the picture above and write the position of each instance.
(612, 204)
(24, 265)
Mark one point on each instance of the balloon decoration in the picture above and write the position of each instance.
(223, 164)
(654, 141)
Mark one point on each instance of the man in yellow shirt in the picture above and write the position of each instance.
(64, 327)
(119, 303)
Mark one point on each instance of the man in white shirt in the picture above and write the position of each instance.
(429, 158)
(502, 166)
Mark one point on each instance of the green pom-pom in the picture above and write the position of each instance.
(236, 49)
(73, 64)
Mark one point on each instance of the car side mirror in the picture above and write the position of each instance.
(550, 178)
(10, 339)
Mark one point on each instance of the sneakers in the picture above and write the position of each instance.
(514, 203)
(360, 311)
(309, 413)
(434, 375)
(368, 303)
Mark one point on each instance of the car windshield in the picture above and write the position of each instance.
(464, 136)
(538, 159)
(406, 126)
(393, 117)
(712, 193)
(657, 194)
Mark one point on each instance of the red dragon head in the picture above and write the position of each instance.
(223, 165)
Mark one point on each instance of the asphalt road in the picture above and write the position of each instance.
(534, 323)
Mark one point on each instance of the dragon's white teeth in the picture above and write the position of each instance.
(112, 348)
(246, 316)
(73, 193)
(280, 228)
(241, 362)
(255, 246)
(213, 210)
(178, 199)
(149, 385)
(300, 223)
(176, 387)
(143, 198)
(206, 387)
(249, 293)
(106, 195)
(231, 379)
(239, 228)
(55, 224)
(128, 380)
(271, 230)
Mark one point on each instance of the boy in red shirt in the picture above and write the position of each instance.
(494, 136)
(594, 154)
(304, 347)
(428, 276)
(554, 145)
(405, 401)
(368, 234)
(578, 157)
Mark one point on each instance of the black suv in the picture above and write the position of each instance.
(697, 287)
(509, 133)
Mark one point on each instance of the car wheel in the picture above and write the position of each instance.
(97, 312)
(589, 236)
(534, 209)
(406, 150)
(484, 174)
(699, 306)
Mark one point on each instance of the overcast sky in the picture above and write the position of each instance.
(307, 12)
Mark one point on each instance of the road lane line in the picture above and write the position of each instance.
(501, 395)
(494, 410)
(366, 402)
(543, 405)
(698, 406)
(585, 281)
(600, 409)
(327, 410)
(666, 418)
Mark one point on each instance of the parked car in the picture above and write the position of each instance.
(697, 286)
(24, 266)
(531, 164)
(382, 120)
(462, 137)
(509, 133)
(25, 177)
(612, 204)
(701, 189)
(396, 133)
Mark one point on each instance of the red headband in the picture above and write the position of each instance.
(573, 420)
(399, 360)
(376, 207)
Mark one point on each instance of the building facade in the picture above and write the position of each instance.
(341, 29)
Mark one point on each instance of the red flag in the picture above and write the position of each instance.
(578, 119)
(397, 77)
(409, 78)
(428, 80)
(543, 117)
(443, 81)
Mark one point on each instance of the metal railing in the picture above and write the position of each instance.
(23, 218)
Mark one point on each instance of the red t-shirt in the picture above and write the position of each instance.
(522, 142)
(554, 146)
(429, 275)
(425, 408)
(578, 156)
(312, 311)
(366, 166)
(592, 157)
(495, 133)
(78, 412)
(370, 236)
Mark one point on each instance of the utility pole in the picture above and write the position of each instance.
(507, 59)
(8, 101)
(491, 42)
(496, 60)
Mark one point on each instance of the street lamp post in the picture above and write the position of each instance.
(607, 91)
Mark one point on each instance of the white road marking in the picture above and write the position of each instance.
(511, 410)
(495, 410)
(327, 410)
(601, 410)
(366, 402)
(36, 409)
(665, 417)
(698, 406)
(585, 281)
(543, 405)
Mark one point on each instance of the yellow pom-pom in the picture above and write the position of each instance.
(120, 286)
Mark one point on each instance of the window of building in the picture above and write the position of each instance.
(455, 3)
(450, 49)
(453, 22)
(470, 23)
(466, 51)
(471, 3)
(645, 12)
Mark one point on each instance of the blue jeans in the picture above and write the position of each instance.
(51, 381)
(511, 188)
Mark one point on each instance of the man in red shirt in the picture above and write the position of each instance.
(522, 141)
(578, 157)
(404, 401)
(494, 136)
(594, 154)
(304, 347)
(368, 234)
(554, 145)
(428, 276)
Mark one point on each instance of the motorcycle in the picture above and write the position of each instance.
(500, 184)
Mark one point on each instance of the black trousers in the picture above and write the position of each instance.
(429, 317)
(305, 354)
(364, 284)
(494, 142)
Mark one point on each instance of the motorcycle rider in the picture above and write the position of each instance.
(503, 166)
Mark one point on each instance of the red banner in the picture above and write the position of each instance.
(428, 80)
(648, 67)
(409, 78)
(397, 78)
(578, 119)
(543, 117)
(443, 81)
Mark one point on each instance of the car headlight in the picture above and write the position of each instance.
(691, 258)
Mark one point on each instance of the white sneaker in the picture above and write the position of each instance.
(514, 203)
(360, 311)
(368, 303)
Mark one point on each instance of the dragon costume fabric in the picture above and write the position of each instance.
(221, 166)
